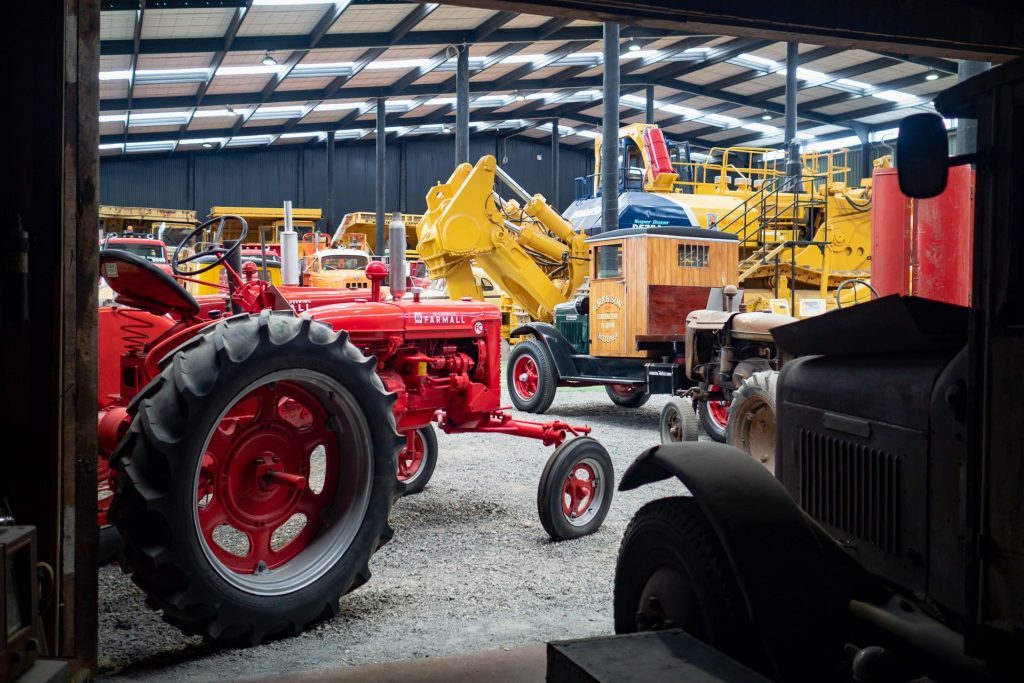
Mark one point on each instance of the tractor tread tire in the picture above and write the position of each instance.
(761, 386)
(690, 426)
(547, 378)
(157, 459)
(675, 530)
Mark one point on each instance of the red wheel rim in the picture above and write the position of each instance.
(719, 410)
(582, 492)
(410, 460)
(623, 390)
(255, 476)
(525, 377)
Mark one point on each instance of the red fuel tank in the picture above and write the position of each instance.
(890, 234)
(944, 241)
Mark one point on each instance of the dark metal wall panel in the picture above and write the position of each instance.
(354, 178)
(157, 183)
(529, 162)
(428, 162)
(263, 178)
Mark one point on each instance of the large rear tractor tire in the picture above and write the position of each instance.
(714, 417)
(672, 572)
(678, 422)
(531, 377)
(752, 417)
(627, 395)
(256, 479)
(575, 490)
(417, 460)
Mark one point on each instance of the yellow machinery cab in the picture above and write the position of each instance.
(644, 281)
(337, 269)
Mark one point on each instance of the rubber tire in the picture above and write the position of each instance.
(549, 489)
(110, 545)
(157, 460)
(547, 379)
(429, 462)
(690, 426)
(634, 400)
(674, 532)
(710, 424)
(761, 386)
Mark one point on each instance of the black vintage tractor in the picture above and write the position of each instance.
(888, 546)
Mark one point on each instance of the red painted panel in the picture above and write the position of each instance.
(943, 241)
(668, 306)
(890, 234)
(657, 151)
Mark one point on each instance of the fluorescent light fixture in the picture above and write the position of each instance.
(249, 140)
(296, 2)
(160, 76)
(282, 112)
(678, 110)
(761, 128)
(112, 145)
(540, 95)
(349, 134)
(589, 133)
(380, 64)
(154, 146)
(895, 96)
(218, 113)
(642, 54)
(523, 59)
(804, 136)
(437, 101)
(296, 136)
(248, 70)
(113, 118)
(122, 75)
(811, 75)
(339, 106)
(322, 70)
(721, 118)
(695, 50)
(166, 118)
(764, 62)
(208, 143)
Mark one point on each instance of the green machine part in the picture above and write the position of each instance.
(574, 326)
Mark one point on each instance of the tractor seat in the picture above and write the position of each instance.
(140, 284)
(757, 326)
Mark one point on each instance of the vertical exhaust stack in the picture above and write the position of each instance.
(396, 246)
(289, 249)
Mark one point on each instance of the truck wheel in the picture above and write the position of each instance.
(672, 572)
(531, 377)
(256, 479)
(627, 395)
(714, 416)
(417, 460)
(678, 422)
(752, 417)
(575, 489)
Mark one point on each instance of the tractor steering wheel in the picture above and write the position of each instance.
(219, 253)
(853, 282)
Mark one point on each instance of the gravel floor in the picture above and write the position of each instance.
(469, 568)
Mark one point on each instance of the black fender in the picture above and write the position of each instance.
(796, 580)
(558, 346)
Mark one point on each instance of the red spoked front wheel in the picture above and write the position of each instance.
(417, 460)
(575, 490)
(714, 417)
(525, 374)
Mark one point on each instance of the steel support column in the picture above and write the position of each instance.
(792, 146)
(649, 117)
(554, 199)
(380, 233)
(610, 130)
(462, 106)
(967, 129)
(329, 209)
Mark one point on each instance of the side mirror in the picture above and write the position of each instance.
(922, 156)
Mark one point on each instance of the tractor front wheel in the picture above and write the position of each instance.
(627, 395)
(575, 490)
(417, 460)
(256, 479)
(752, 417)
(714, 416)
(531, 377)
(678, 422)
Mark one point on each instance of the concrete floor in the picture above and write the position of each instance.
(470, 569)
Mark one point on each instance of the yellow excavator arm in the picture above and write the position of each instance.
(532, 253)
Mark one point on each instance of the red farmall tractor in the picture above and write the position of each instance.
(254, 450)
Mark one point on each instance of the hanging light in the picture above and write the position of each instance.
(518, 96)
(268, 59)
(932, 76)
(634, 46)
(766, 116)
(207, 145)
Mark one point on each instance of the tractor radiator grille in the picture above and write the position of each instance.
(851, 487)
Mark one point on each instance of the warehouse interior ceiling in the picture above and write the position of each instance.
(234, 74)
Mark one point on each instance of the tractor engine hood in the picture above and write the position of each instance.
(370, 321)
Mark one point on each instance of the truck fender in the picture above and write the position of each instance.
(796, 580)
(558, 347)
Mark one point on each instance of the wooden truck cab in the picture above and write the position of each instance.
(645, 281)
